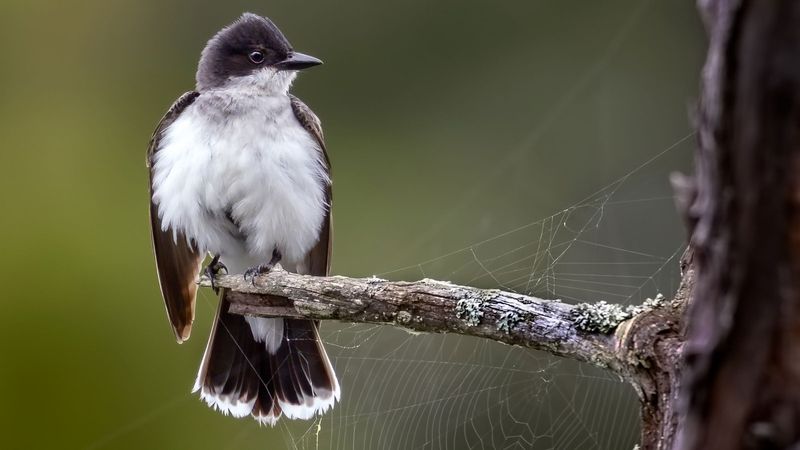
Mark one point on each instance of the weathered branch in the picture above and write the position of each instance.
(641, 344)
(425, 306)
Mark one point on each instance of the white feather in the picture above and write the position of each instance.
(226, 405)
(266, 330)
(321, 401)
(311, 406)
(269, 419)
(240, 150)
(244, 153)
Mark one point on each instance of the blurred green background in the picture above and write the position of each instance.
(518, 144)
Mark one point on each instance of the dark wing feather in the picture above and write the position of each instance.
(319, 261)
(177, 261)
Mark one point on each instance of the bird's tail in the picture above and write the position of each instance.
(265, 368)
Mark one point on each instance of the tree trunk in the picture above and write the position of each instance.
(742, 357)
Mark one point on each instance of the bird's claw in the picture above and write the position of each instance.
(211, 271)
(253, 272)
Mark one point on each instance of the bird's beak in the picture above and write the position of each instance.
(297, 61)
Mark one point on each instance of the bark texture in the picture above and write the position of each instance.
(742, 358)
(426, 306)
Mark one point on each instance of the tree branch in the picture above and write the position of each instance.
(581, 332)
(642, 344)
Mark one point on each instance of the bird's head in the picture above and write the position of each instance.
(251, 52)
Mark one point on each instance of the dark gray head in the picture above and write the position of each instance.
(253, 51)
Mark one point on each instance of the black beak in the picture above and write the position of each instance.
(297, 61)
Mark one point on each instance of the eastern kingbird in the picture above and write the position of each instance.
(238, 170)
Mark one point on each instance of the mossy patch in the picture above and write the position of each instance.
(470, 310)
(604, 317)
(507, 321)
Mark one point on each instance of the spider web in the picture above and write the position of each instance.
(403, 390)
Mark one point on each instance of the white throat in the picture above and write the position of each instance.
(266, 81)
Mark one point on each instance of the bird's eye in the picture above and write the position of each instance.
(256, 57)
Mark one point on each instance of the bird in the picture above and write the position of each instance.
(239, 172)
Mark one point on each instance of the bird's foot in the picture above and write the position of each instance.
(253, 272)
(212, 269)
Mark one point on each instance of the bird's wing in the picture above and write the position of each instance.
(178, 261)
(319, 258)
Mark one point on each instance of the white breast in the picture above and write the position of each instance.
(249, 157)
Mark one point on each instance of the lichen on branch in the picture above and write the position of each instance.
(579, 332)
(605, 317)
